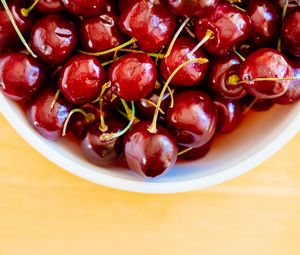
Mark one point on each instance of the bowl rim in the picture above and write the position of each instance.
(35, 140)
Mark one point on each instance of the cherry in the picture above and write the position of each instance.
(100, 152)
(265, 22)
(150, 154)
(48, 118)
(196, 153)
(229, 115)
(270, 66)
(83, 7)
(230, 27)
(81, 79)
(133, 76)
(53, 39)
(20, 75)
(221, 69)
(193, 119)
(49, 7)
(100, 32)
(151, 23)
(193, 7)
(290, 34)
(189, 75)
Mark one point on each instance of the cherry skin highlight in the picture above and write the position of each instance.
(20, 75)
(81, 79)
(150, 154)
(84, 7)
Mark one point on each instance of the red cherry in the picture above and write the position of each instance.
(218, 79)
(100, 32)
(290, 33)
(48, 120)
(265, 22)
(53, 39)
(189, 75)
(193, 119)
(81, 79)
(152, 24)
(196, 153)
(133, 76)
(20, 75)
(193, 7)
(231, 27)
(265, 63)
(150, 154)
(100, 152)
(84, 7)
(49, 7)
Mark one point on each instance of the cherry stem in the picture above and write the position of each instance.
(284, 11)
(55, 98)
(249, 107)
(101, 53)
(176, 36)
(110, 61)
(153, 128)
(153, 104)
(208, 35)
(184, 151)
(238, 54)
(13, 22)
(241, 9)
(234, 79)
(25, 11)
(103, 127)
(126, 107)
(154, 55)
(105, 137)
(89, 116)
(171, 92)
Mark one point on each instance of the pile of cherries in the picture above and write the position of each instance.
(145, 82)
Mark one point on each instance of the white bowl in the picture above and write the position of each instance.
(258, 138)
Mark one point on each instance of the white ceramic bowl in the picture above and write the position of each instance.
(259, 137)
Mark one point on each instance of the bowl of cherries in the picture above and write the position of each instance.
(153, 96)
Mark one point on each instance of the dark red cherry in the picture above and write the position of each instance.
(256, 104)
(293, 93)
(189, 75)
(230, 114)
(231, 27)
(196, 153)
(218, 78)
(81, 79)
(48, 120)
(265, 63)
(133, 76)
(53, 39)
(20, 75)
(194, 8)
(123, 4)
(290, 34)
(84, 7)
(49, 6)
(265, 22)
(100, 32)
(100, 152)
(151, 23)
(150, 154)
(193, 119)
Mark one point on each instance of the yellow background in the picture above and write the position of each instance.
(47, 211)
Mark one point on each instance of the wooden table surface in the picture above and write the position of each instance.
(47, 211)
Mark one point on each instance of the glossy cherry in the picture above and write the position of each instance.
(218, 77)
(100, 32)
(196, 153)
(189, 75)
(150, 154)
(193, 119)
(81, 79)
(195, 8)
(46, 118)
(49, 7)
(152, 24)
(265, 22)
(53, 39)
(100, 152)
(133, 76)
(84, 7)
(290, 34)
(265, 63)
(229, 115)
(231, 27)
(20, 75)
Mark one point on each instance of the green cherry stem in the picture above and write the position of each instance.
(238, 54)
(154, 55)
(103, 127)
(153, 128)
(234, 79)
(13, 22)
(25, 11)
(55, 98)
(284, 11)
